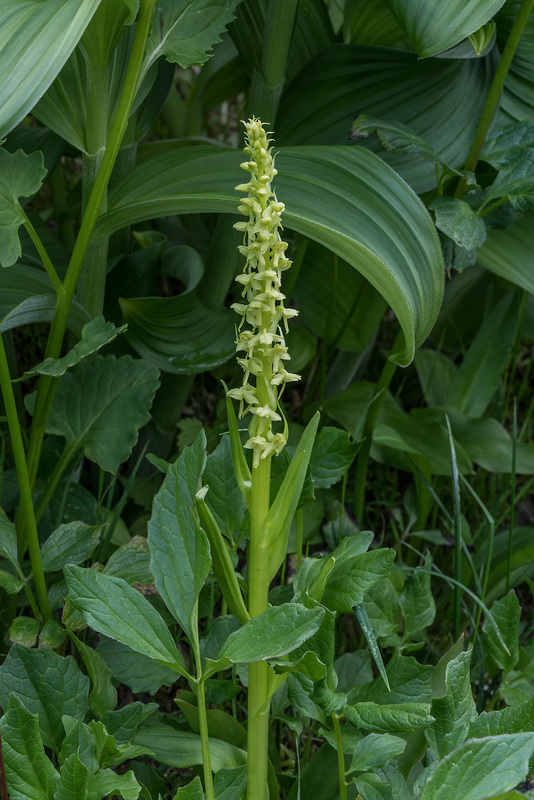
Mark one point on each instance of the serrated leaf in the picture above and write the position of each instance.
(230, 784)
(72, 783)
(179, 550)
(416, 600)
(347, 584)
(48, 685)
(481, 768)
(393, 718)
(21, 175)
(454, 712)
(95, 334)
(324, 190)
(101, 404)
(506, 613)
(185, 31)
(513, 719)
(28, 770)
(117, 610)
(24, 631)
(333, 453)
(431, 32)
(71, 543)
(458, 221)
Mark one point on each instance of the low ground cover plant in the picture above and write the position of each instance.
(266, 427)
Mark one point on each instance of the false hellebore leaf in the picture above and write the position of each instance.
(21, 175)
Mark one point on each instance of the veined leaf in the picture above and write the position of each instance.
(507, 252)
(72, 781)
(433, 28)
(454, 712)
(392, 718)
(179, 550)
(458, 221)
(21, 175)
(35, 41)
(517, 101)
(345, 198)
(193, 791)
(29, 772)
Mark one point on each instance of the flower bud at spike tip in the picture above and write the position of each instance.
(264, 310)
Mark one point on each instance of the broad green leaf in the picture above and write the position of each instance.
(370, 787)
(220, 724)
(394, 137)
(131, 562)
(48, 685)
(95, 334)
(139, 672)
(454, 712)
(10, 582)
(416, 600)
(380, 604)
(375, 751)
(28, 770)
(35, 41)
(459, 222)
(482, 368)
(179, 549)
(101, 404)
(224, 497)
(184, 31)
(106, 782)
(483, 39)
(117, 610)
(506, 613)
(370, 22)
(506, 252)
(504, 142)
(432, 29)
(515, 180)
(393, 718)
(325, 190)
(179, 334)
(513, 719)
(307, 665)
(318, 106)
(230, 784)
(272, 634)
(436, 373)
(52, 635)
(103, 696)
(71, 543)
(21, 175)
(439, 682)
(408, 681)
(481, 768)
(182, 749)
(332, 454)
(193, 791)
(24, 631)
(123, 723)
(347, 584)
(72, 783)
(517, 101)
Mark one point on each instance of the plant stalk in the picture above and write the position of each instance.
(203, 725)
(26, 501)
(362, 459)
(47, 385)
(495, 91)
(340, 758)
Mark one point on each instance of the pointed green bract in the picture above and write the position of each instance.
(72, 781)
(193, 791)
(367, 628)
(117, 610)
(242, 472)
(179, 550)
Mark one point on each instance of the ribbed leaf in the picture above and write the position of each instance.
(36, 39)
(439, 99)
(517, 100)
(433, 26)
(345, 198)
(508, 252)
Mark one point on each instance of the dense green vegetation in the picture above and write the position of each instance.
(266, 454)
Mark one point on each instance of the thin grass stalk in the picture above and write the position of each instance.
(512, 502)
(457, 518)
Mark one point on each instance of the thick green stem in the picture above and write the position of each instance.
(340, 758)
(26, 502)
(47, 386)
(258, 692)
(362, 460)
(494, 96)
(267, 84)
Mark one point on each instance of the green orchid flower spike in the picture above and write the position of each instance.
(262, 343)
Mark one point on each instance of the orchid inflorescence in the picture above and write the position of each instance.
(263, 344)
